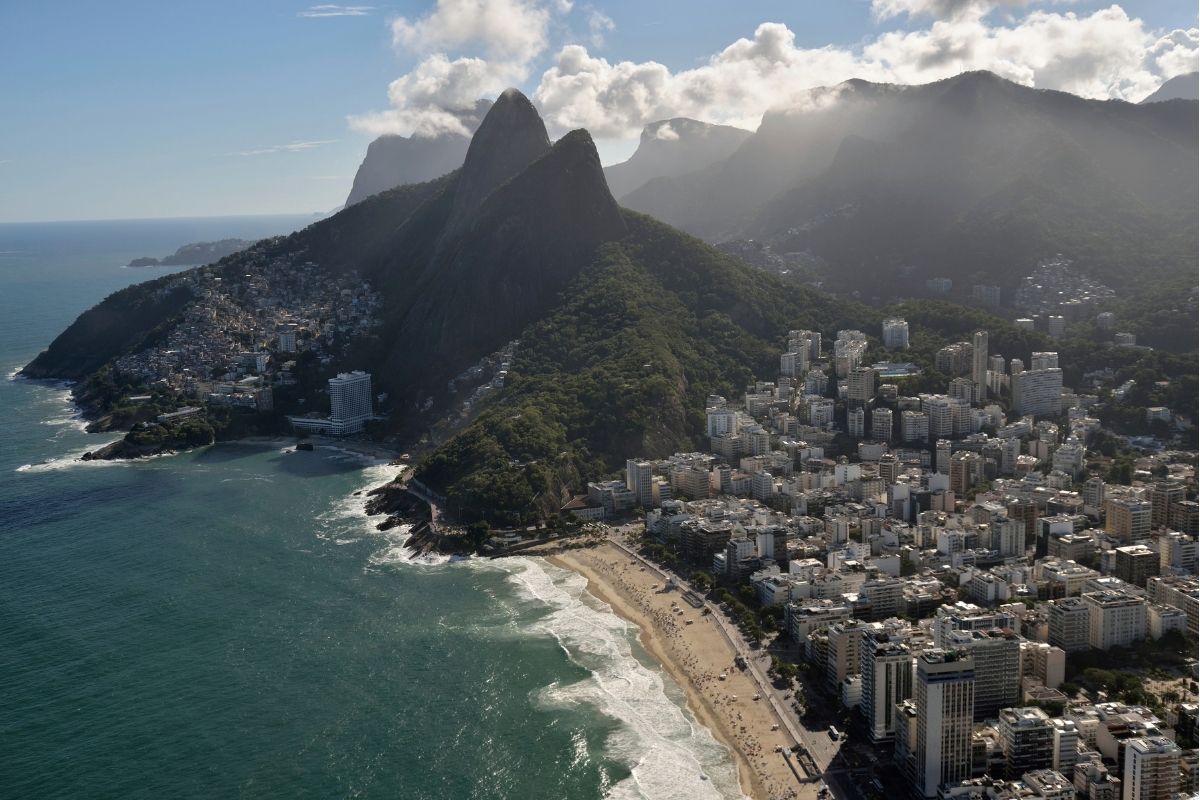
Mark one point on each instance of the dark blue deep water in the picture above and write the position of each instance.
(224, 623)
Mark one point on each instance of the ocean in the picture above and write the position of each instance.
(226, 623)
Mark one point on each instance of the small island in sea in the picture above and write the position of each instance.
(195, 253)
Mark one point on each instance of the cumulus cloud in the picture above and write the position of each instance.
(327, 10)
(470, 49)
(1175, 53)
(1105, 54)
(438, 97)
(495, 42)
(508, 31)
(666, 133)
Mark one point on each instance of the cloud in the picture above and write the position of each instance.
(291, 147)
(439, 96)
(598, 25)
(1105, 54)
(495, 43)
(939, 9)
(666, 133)
(335, 11)
(470, 49)
(509, 31)
(1175, 53)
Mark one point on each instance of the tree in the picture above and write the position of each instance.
(702, 580)
(478, 533)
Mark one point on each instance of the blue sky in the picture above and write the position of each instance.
(152, 109)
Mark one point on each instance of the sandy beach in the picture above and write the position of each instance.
(695, 655)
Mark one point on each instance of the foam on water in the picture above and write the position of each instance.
(75, 459)
(669, 754)
(347, 520)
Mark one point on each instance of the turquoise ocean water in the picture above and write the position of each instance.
(225, 623)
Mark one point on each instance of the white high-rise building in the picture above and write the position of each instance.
(856, 423)
(1115, 619)
(937, 408)
(996, 656)
(979, 364)
(1066, 745)
(639, 479)
(881, 424)
(944, 691)
(860, 386)
(895, 334)
(349, 401)
(820, 412)
(914, 426)
(287, 338)
(1151, 769)
(1037, 392)
(793, 364)
(805, 341)
(1044, 360)
(721, 421)
(887, 678)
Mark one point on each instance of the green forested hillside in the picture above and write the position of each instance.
(621, 368)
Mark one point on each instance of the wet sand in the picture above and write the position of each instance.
(695, 655)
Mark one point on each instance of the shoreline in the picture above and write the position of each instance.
(694, 656)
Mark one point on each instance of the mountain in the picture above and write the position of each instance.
(195, 253)
(1181, 87)
(511, 137)
(394, 160)
(505, 233)
(624, 324)
(973, 178)
(673, 147)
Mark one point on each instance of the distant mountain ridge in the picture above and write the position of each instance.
(1181, 87)
(195, 253)
(973, 178)
(624, 324)
(673, 147)
(393, 160)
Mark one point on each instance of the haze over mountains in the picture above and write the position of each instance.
(973, 178)
(673, 147)
(394, 160)
(625, 324)
(667, 148)
(1181, 87)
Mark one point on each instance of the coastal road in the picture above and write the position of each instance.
(757, 664)
(420, 494)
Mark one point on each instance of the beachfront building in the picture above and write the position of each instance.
(944, 691)
(887, 679)
(349, 404)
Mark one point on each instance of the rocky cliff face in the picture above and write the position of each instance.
(511, 137)
(394, 160)
(673, 147)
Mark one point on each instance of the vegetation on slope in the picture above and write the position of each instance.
(621, 368)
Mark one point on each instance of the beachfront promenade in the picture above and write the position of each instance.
(820, 749)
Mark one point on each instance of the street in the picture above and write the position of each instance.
(821, 749)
